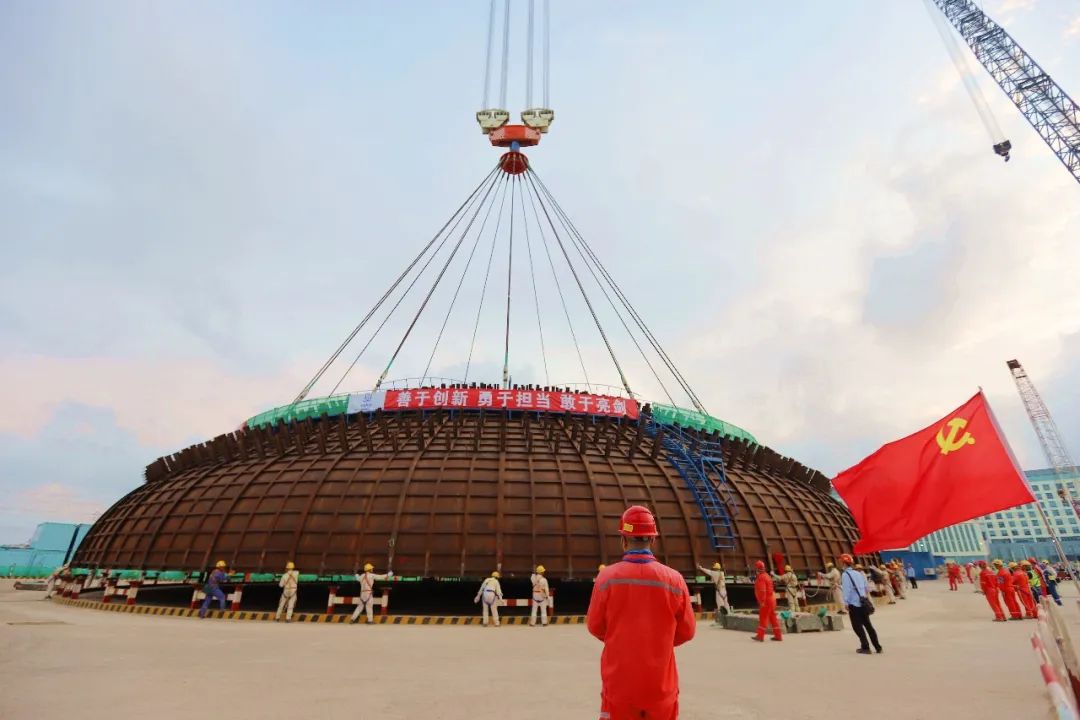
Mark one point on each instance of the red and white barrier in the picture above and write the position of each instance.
(1058, 697)
(234, 597)
(383, 601)
(528, 602)
(129, 591)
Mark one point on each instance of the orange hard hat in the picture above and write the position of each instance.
(759, 565)
(637, 521)
(845, 558)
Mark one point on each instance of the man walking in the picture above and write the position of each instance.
(641, 611)
(855, 592)
(911, 577)
(290, 581)
(765, 594)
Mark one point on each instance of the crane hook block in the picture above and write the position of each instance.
(538, 118)
(514, 163)
(491, 119)
(1003, 148)
(507, 135)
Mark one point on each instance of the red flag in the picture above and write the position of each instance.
(957, 469)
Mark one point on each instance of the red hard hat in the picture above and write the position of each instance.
(847, 559)
(759, 565)
(637, 521)
(982, 563)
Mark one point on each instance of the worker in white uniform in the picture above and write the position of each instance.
(367, 592)
(290, 581)
(719, 581)
(490, 595)
(790, 582)
(540, 594)
(833, 576)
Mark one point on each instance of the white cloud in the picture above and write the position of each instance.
(55, 502)
(1073, 29)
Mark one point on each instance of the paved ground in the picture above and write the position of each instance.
(943, 659)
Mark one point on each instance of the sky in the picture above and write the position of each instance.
(198, 201)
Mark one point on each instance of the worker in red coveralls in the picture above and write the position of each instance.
(1008, 592)
(1023, 589)
(766, 598)
(640, 609)
(954, 575)
(989, 586)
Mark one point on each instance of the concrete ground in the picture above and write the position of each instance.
(943, 659)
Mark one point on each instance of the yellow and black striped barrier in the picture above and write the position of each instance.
(321, 617)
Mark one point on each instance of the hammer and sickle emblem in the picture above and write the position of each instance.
(951, 443)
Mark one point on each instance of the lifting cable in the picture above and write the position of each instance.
(505, 54)
(408, 289)
(457, 291)
(963, 68)
(487, 276)
(487, 55)
(562, 296)
(644, 356)
(623, 299)
(349, 338)
(427, 299)
(536, 295)
(529, 57)
(509, 281)
(547, 54)
(581, 289)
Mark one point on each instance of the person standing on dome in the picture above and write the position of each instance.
(367, 593)
(541, 591)
(290, 581)
(765, 594)
(490, 594)
(641, 610)
(719, 581)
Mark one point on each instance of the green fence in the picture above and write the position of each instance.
(333, 405)
(670, 415)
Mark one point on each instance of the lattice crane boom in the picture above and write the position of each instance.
(1049, 109)
(1045, 427)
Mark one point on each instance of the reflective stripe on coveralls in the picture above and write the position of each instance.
(640, 609)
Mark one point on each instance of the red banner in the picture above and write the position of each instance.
(499, 399)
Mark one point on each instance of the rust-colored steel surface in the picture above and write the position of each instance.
(460, 494)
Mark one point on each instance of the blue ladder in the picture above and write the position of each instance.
(701, 465)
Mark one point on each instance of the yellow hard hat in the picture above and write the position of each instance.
(602, 566)
(787, 568)
(289, 565)
(496, 575)
(220, 564)
(717, 566)
(368, 567)
(1012, 564)
(997, 561)
(540, 569)
(829, 565)
(1025, 563)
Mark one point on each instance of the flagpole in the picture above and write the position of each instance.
(1038, 505)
